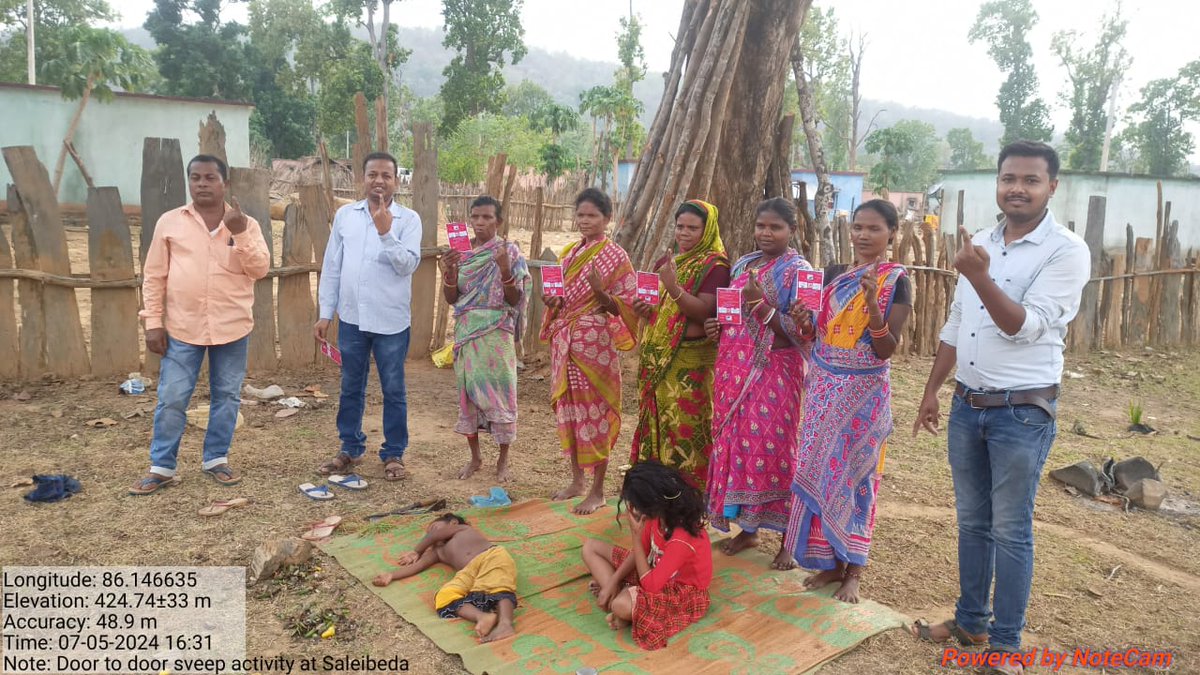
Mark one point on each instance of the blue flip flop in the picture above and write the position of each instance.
(319, 494)
(351, 482)
(497, 497)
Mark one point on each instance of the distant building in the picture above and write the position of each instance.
(1130, 200)
(905, 202)
(110, 135)
(847, 188)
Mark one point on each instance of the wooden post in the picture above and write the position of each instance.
(535, 239)
(508, 185)
(114, 310)
(362, 145)
(1086, 322)
(426, 284)
(1170, 287)
(958, 223)
(252, 189)
(10, 337)
(32, 338)
(381, 124)
(1127, 334)
(536, 307)
(65, 349)
(164, 185)
(317, 216)
(212, 138)
(1112, 304)
(297, 348)
(1191, 321)
(1140, 307)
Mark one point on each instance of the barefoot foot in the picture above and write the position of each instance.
(848, 591)
(615, 622)
(486, 622)
(470, 469)
(594, 587)
(588, 506)
(783, 561)
(822, 579)
(741, 542)
(571, 491)
(502, 471)
(503, 630)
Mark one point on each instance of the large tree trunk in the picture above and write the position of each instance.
(724, 88)
(816, 150)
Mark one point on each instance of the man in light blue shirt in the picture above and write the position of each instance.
(1019, 286)
(366, 278)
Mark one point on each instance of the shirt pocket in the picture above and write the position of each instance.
(230, 261)
(1016, 285)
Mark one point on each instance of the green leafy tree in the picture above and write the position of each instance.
(1091, 75)
(908, 156)
(827, 74)
(197, 54)
(463, 155)
(54, 20)
(965, 151)
(1004, 25)
(485, 34)
(92, 62)
(1158, 132)
(525, 99)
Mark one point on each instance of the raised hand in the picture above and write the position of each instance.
(971, 261)
(503, 262)
(752, 292)
(449, 263)
(803, 317)
(643, 309)
(594, 280)
(381, 215)
(669, 276)
(553, 302)
(869, 282)
(235, 221)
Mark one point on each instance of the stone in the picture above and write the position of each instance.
(1082, 476)
(1147, 493)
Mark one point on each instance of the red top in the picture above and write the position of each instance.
(681, 559)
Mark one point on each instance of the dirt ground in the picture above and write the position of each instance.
(1104, 578)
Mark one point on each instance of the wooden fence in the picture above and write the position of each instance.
(1147, 294)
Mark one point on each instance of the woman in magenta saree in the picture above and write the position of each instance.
(759, 379)
(847, 405)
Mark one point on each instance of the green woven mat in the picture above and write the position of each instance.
(760, 620)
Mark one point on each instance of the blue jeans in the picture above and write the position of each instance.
(390, 351)
(177, 380)
(996, 458)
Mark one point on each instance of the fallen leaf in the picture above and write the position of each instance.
(22, 396)
(287, 412)
(21, 482)
(101, 423)
(329, 632)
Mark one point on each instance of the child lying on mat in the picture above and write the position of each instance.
(659, 585)
(483, 591)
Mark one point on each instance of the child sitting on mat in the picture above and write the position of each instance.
(484, 588)
(659, 585)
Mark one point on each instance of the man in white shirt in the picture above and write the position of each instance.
(366, 277)
(1019, 286)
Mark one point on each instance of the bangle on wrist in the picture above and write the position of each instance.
(677, 296)
(886, 331)
(770, 315)
(753, 304)
(447, 284)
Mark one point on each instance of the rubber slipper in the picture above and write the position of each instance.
(320, 494)
(221, 506)
(322, 530)
(148, 485)
(351, 482)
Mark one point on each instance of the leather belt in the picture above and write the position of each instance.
(998, 399)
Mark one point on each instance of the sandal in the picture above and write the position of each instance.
(393, 470)
(351, 482)
(322, 530)
(152, 483)
(956, 632)
(221, 506)
(320, 494)
(339, 464)
(224, 475)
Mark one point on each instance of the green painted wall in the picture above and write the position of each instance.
(110, 135)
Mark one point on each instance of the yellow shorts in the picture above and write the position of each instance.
(491, 572)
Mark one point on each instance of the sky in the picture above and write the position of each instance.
(917, 50)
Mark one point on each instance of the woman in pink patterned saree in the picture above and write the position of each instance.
(759, 378)
(586, 329)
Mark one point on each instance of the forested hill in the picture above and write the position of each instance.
(566, 76)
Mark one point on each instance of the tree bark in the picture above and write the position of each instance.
(724, 88)
(816, 149)
(62, 154)
(856, 59)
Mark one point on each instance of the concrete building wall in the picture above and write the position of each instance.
(110, 135)
(847, 188)
(1130, 199)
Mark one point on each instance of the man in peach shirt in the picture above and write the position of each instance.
(200, 272)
